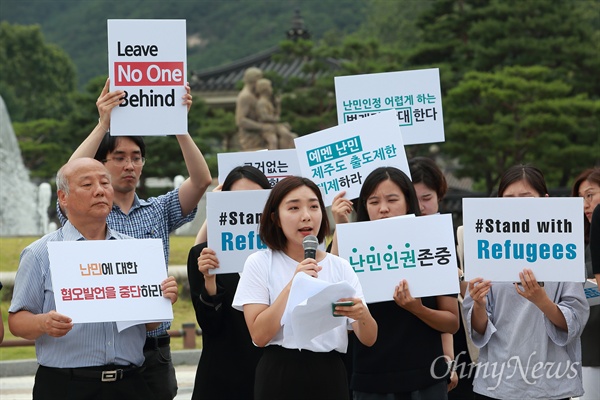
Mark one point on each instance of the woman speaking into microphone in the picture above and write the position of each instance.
(293, 211)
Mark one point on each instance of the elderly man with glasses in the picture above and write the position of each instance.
(156, 217)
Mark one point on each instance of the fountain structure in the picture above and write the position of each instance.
(19, 211)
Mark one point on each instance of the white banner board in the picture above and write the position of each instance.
(340, 158)
(109, 280)
(275, 164)
(502, 236)
(384, 252)
(148, 60)
(415, 97)
(232, 222)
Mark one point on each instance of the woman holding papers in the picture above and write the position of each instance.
(228, 360)
(528, 334)
(587, 185)
(293, 211)
(407, 361)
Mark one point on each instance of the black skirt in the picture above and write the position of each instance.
(300, 374)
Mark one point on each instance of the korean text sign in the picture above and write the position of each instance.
(275, 164)
(415, 97)
(340, 158)
(232, 223)
(502, 236)
(109, 280)
(418, 249)
(147, 59)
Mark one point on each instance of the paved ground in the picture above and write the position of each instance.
(20, 387)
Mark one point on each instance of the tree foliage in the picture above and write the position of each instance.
(37, 77)
(520, 115)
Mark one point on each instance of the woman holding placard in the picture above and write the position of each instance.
(228, 359)
(528, 334)
(587, 185)
(293, 211)
(431, 187)
(407, 361)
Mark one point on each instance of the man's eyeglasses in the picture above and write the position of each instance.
(122, 161)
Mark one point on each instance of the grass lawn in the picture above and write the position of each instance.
(10, 249)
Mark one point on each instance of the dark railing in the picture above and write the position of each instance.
(188, 332)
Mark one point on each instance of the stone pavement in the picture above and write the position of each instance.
(19, 387)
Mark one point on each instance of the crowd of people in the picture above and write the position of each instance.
(407, 348)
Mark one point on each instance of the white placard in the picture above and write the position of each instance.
(232, 223)
(340, 158)
(148, 60)
(505, 235)
(275, 164)
(109, 280)
(415, 97)
(591, 292)
(383, 252)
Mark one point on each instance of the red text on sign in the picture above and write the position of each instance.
(148, 73)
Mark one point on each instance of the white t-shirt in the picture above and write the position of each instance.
(265, 275)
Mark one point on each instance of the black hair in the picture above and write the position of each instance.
(382, 174)
(528, 173)
(270, 232)
(248, 172)
(109, 143)
(425, 170)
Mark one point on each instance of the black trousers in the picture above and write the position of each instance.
(54, 384)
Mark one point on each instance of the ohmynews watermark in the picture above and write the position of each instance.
(530, 372)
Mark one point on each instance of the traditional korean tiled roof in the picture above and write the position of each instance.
(224, 78)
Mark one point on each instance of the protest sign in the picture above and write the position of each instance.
(147, 59)
(275, 164)
(109, 280)
(384, 252)
(232, 224)
(415, 97)
(502, 236)
(340, 158)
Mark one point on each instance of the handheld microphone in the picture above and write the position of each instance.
(310, 244)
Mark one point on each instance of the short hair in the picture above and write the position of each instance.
(382, 174)
(62, 181)
(252, 74)
(424, 170)
(270, 232)
(528, 173)
(591, 175)
(109, 143)
(245, 172)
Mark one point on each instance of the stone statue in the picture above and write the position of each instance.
(257, 133)
(278, 134)
(249, 129)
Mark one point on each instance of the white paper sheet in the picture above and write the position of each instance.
(308, 310)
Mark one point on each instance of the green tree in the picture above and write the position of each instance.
(38, 78)
(520, 115)
(487, 35)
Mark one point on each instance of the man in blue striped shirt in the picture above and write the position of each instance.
(157, 217)
(78, 361)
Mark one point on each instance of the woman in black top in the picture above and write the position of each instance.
(228, 361)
